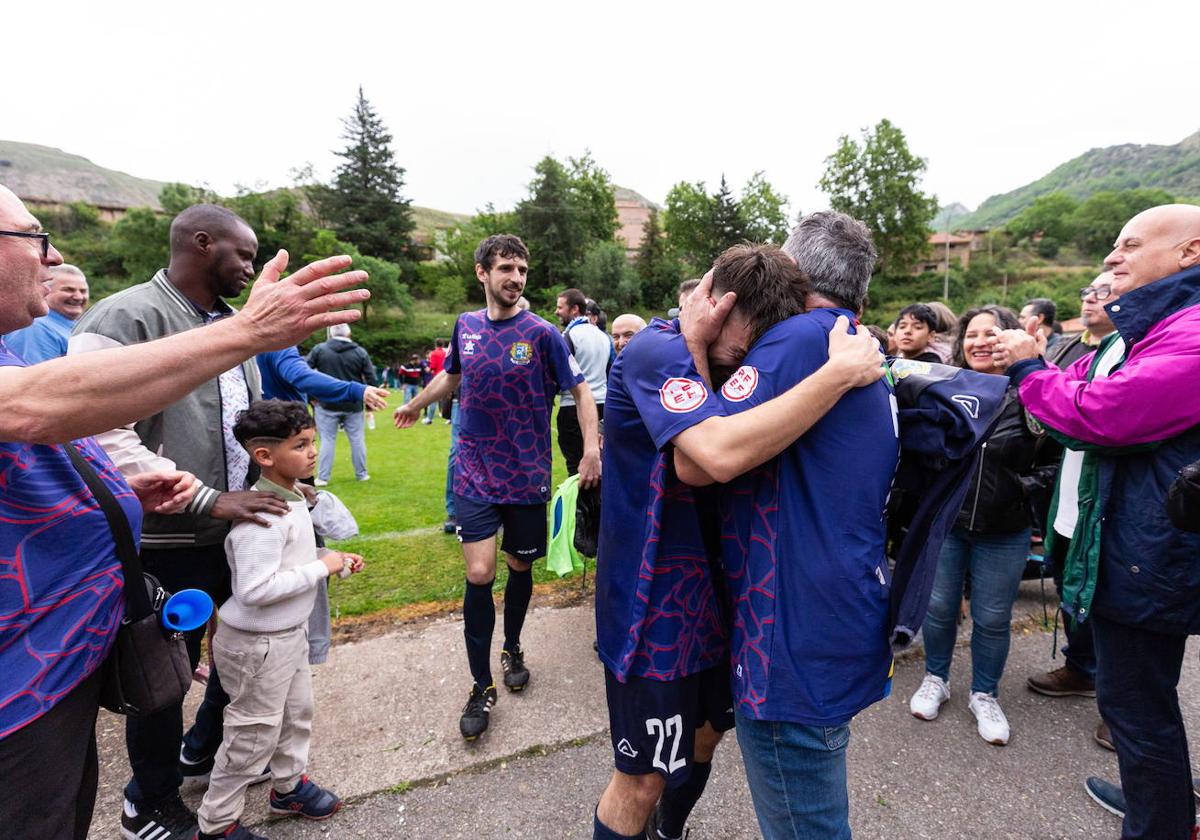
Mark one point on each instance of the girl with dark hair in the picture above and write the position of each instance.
(990, 539)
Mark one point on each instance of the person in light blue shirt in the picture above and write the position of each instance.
(46, 338)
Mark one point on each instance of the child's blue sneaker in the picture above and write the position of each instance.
(308, 800)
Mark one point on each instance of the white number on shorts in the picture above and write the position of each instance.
(671, 728)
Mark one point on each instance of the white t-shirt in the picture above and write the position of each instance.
(593, 349)
(1072, 463)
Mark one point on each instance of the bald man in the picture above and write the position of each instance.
(1133, 407)
(46, 337)
(624, 328)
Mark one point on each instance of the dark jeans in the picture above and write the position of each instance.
(1079, 651)
(153, 741)
(570, 435)
(1136, 678)
(50, 770)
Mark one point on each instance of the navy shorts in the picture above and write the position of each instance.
(524, 526)
(653, 723)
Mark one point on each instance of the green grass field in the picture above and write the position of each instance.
(400, 513)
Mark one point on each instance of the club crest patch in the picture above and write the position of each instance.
(679, 395)
(741, 385)
(520, 352)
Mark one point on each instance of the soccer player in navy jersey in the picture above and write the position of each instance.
(803, 546)
(662, 627)
(508, 365)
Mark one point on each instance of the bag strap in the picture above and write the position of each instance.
(136, 598)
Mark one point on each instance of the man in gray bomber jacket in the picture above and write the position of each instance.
(212, 257)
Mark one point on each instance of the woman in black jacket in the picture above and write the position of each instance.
(990, 538)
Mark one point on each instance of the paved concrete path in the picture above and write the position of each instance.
(387, 739)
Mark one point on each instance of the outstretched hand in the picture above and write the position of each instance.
(701, 317)
(283, 311)
(163, 492)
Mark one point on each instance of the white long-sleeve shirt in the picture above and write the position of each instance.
(275, 569)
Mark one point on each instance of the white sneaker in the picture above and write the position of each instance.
(320, 482)
(993, 725)
(365, 478)
(928, 699)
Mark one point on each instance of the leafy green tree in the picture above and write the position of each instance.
(688, 221)
(364, 205)
(549, 222)
(387, 290)
(1099, 219)
(142, 243)
(727, 226)
(1051, 215)
(569, 208)
(606, 276)
(595, 198)
(878, 182)
(658, 267)
(763, 211)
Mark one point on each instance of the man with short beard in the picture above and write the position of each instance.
(46, 338)
(511, 364)
(211, 258)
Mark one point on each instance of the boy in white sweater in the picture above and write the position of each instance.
(261, 644)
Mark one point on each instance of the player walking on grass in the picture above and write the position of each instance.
(508, 365)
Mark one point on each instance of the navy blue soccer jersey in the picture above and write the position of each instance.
(803, 542)
(511, 372)
(657, 614)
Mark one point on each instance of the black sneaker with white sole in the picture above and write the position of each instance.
(516, 675)
(169, 820)
(474, 720)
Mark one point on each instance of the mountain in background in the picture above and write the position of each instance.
(950, 216)
(1175, 169)
(46, 175)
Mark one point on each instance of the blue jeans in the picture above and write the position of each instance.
(797, 778)
(451, 513)
(410, 392)
(327, 428)
(996, 562)
(1137, 678)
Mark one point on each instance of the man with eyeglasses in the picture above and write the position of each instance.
(1076, 677)
(1130, 572)
(46, 337)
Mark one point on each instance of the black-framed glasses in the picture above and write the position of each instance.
(1101, 292)
(26, 234)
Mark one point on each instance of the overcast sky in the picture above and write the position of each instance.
(993, 95)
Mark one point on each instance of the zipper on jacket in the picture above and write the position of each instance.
(978, 485)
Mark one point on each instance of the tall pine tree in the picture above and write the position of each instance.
(727, 226)
(363, 204)
(659, 269)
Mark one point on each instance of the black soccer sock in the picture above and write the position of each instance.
(517, 593)
(677, 803)
(479, 620)
(602, 832)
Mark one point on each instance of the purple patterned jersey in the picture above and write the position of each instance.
(511, 372)
(60, 579)
(657, 612)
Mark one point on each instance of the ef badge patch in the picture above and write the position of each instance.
(680, 396)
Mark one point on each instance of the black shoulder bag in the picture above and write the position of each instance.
(148, 669)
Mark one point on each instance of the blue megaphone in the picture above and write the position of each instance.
(186, 610)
